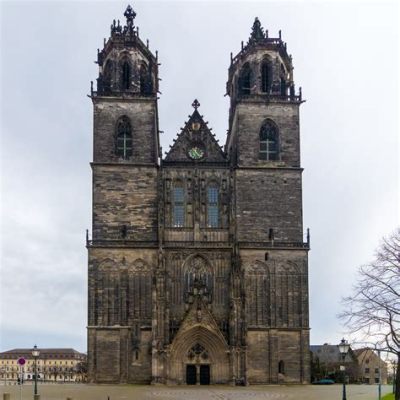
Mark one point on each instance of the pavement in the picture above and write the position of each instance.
(214, 392)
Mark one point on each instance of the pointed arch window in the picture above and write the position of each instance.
(266, 76)
(197, 352)
(107, 77)
(124, 138)
(212, 207)
(283, 81)
(269, 142)
(179, 206)
(283, 87)
(245, 80)
(126, 75)
(145, 80)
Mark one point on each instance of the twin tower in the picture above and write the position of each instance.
(198, 270)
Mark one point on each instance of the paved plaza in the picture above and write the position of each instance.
(138, 392)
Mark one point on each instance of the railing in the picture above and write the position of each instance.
(197, 243)
(276, 244)
(266, 43)
(187, 237)
(120, 93)
(121, 243)
(271, 97)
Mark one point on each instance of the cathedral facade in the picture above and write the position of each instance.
(198, 270)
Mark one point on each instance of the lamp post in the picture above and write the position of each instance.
(343, 349)
(35, 354)
(380, 374)
(394, 376)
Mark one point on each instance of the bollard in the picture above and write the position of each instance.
(69, 398)
(6, 396)
(36, 397)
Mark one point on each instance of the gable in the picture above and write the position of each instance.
(199, 317)
(195, 142)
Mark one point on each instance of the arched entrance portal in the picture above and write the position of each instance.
(199, 356)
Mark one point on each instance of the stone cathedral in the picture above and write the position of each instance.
(198, 270)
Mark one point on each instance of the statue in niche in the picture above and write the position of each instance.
(198, 280)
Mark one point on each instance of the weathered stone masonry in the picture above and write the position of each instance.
(198, 272)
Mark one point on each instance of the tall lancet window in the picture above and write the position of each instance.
(269, 142)
(107, 77)
(124, 138)
(283, 81)
(145, 80)
(266, 76)
(179, 205)
(126, 75)
(212, 207)
(245, 80)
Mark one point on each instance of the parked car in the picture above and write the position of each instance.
(324, 381)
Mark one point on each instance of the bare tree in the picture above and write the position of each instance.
(373, 309)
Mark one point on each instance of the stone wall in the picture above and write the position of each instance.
(142, 116)
(276, 288)
(246, 126)
(269, 199)
(278, 356)
(125, 195)
(120, 314)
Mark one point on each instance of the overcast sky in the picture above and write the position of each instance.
(346, 58)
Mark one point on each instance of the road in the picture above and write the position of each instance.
(139, 392)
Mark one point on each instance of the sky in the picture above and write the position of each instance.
(346, 59)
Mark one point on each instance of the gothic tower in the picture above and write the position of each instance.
(263, 146)
(123, 248)
(197, 265)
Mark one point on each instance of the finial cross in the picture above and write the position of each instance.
(129, 14)
(195, 104)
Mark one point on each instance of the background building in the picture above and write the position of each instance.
(326, 361)
(59, 365)
(371, 366)
(198, 271)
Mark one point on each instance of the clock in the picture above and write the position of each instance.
(196, 152)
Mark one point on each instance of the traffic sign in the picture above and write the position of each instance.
(21, 361)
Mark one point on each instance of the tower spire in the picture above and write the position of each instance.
(257, 31)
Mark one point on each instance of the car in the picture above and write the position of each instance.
(324, 381)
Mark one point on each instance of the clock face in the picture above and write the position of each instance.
(196, 153)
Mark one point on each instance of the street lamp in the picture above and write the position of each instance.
(343, 349)
(380, 373)
(394, 375)
(35, 354)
